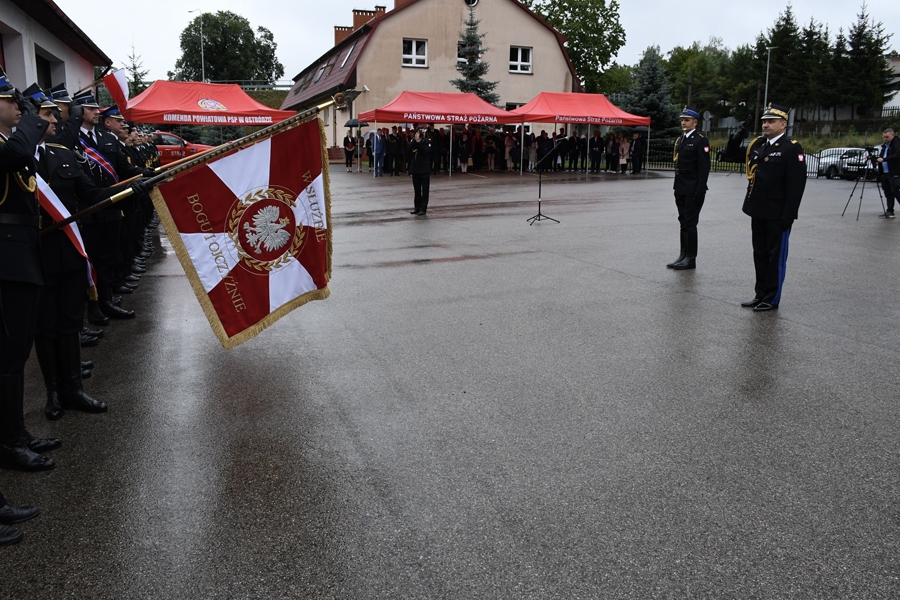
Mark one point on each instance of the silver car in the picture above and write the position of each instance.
(833, 161)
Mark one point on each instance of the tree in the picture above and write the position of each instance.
(651, 93)
(868, 45)
(474, 69)
(136, 74)
(813, 62)
(593, 32)
(784, 39)
(231, 51)
(741, 81)
(696, 73)
(616, 79)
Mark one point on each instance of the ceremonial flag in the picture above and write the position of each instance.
(117, 84)
(54, 207)
(252, 230)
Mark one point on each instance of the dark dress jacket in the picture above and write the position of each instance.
(20, 243)
(777, 178)
(76, 191)
(109, 147)
(420, 157)
(691, 165)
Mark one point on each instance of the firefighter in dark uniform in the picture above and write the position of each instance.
(691, 173)
(57, 344)
(102, 229)
(776, 169)
(21, 275)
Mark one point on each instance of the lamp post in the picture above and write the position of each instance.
(768, 62)
(202, 59)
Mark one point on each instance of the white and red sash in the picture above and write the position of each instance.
(54, 207)
(99, 159)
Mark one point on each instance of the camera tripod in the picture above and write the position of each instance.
(862, 191)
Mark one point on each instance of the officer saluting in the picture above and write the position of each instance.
(777, 173)
(691, 174)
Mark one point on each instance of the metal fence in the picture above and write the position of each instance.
(832, 163)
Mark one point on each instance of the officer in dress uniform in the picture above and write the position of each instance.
(102, 229)
(63, 297)
(21, 275)
(776, 170)
(691, 174)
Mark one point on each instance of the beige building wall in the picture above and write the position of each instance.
(440, 22)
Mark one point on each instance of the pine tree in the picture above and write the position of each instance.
(784, 70)
(651, 93)
(868, 46)
(474, 69)
(136, 74)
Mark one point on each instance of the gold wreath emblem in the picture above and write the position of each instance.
(254, 264)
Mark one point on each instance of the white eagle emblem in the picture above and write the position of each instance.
(268, 230)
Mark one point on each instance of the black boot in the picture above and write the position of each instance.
(95, 315)
(680, 258)
(71, 394)
(14, 453)
(45, 349)
(690, 254)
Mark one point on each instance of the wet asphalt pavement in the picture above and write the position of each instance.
(488, 409)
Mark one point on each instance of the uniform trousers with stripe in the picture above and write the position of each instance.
(770, 252)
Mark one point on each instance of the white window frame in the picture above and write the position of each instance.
(516, 66)
(349, 52)
(411, 60)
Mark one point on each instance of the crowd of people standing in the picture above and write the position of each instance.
(475, 148)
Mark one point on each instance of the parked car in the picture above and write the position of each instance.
(856, 166)
(172, 148)
(832, 161)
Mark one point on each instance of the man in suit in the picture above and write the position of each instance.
(776, 170)
(597, 147)
(691, 174)
(638, 145)
(21, 274)
(889, 162)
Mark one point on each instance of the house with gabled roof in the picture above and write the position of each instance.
(40, 44)
(415, 47)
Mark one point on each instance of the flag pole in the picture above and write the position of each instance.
(194, 161)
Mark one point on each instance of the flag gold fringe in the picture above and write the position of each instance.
(209, 310)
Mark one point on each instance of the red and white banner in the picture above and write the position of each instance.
(54, 207)
(252, 230)
(117, 84)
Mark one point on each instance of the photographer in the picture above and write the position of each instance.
(889, 161)
(420, 169)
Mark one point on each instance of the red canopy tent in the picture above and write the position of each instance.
(195, 103)
(575, 108)
(439, 107)
(570, 107)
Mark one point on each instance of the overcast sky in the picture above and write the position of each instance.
(304, 29)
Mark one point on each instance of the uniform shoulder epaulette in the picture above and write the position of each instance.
(793, 141)
(54, 145)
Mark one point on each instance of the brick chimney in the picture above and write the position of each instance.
(361, 17)
(379, 10)
(340, 33)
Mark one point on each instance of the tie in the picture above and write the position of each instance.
(91, 136)
(42, 163)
